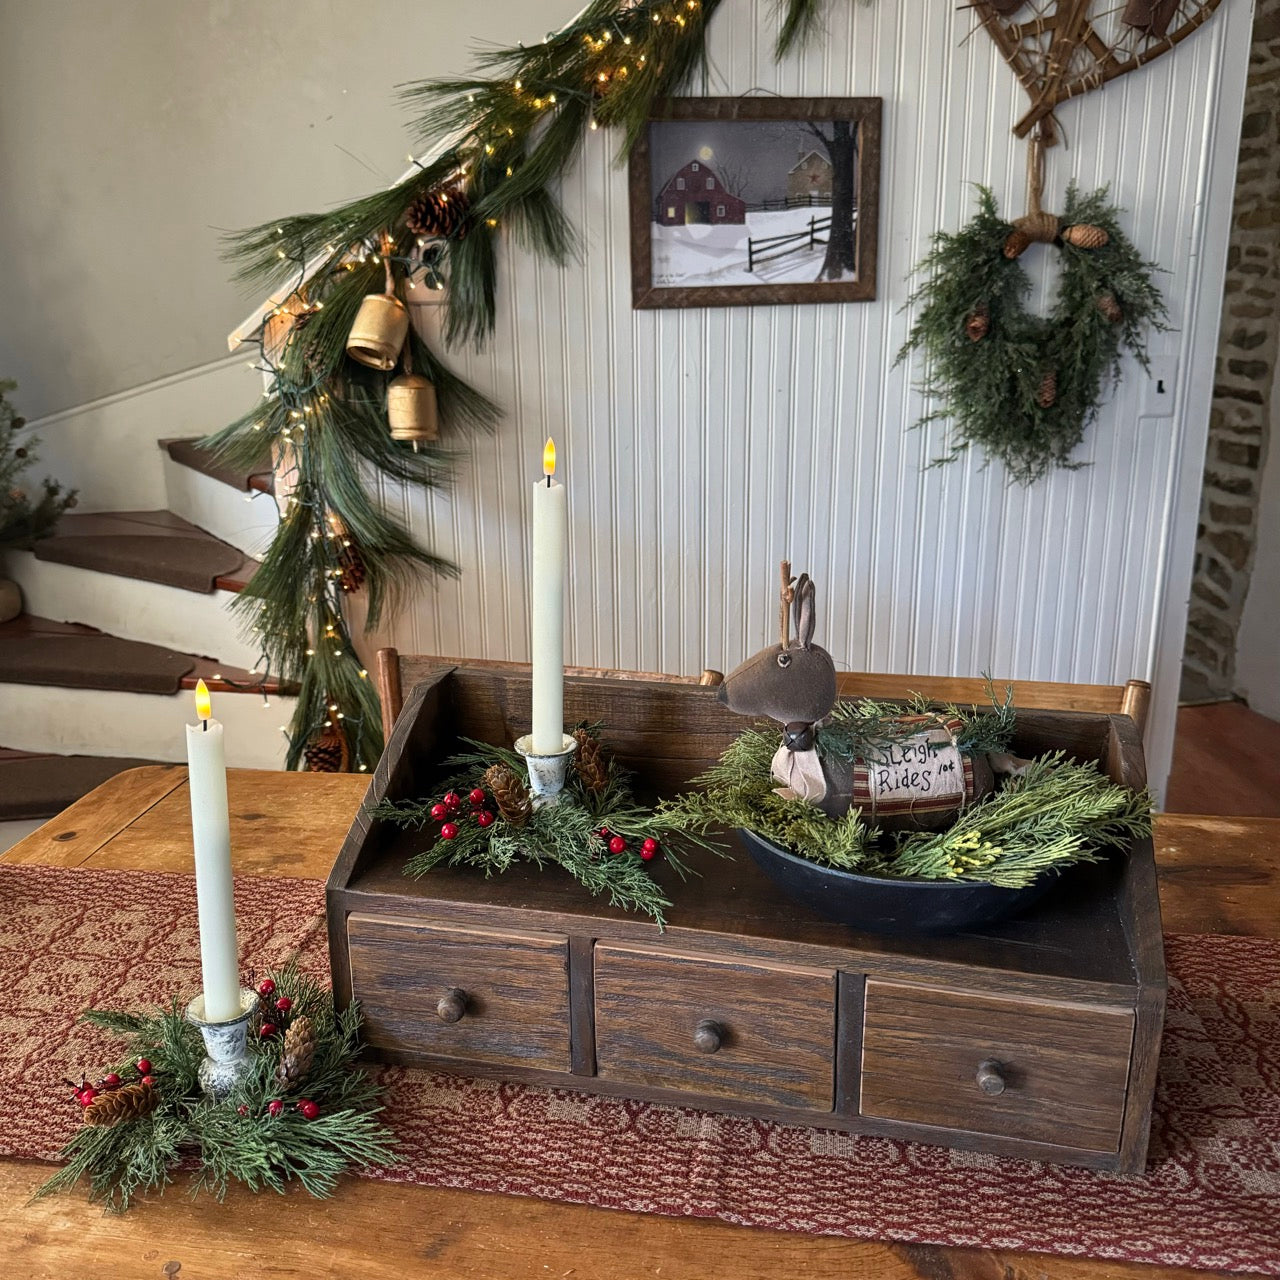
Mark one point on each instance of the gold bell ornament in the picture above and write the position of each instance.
(411, 406)
(380, 328)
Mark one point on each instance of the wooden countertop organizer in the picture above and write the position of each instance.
(1038, 1037)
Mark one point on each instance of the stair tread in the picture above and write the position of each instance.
(40, 786)
(36, 650)
(187, 452)
(156, 546)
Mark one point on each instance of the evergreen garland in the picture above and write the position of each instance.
(575, 834)
(501, 140)
(238, 1138)
(22, 519)
(1023, 387)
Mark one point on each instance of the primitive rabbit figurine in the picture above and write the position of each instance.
(916, 780)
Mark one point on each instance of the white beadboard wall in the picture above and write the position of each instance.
(701, 446)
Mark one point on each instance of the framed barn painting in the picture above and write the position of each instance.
(744, 201)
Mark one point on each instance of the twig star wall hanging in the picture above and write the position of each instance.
(1025, 388)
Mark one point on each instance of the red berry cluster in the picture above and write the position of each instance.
(84, 1092)
(448, 812)
(275, 1109)
(649, 847)
(276, 1010)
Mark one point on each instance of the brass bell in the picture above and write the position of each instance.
(378, 334)
(411, 408)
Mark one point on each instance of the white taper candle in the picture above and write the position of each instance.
(550, 546)
(211, 833)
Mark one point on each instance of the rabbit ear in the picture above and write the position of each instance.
(804, 611)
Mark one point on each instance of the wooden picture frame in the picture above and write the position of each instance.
(688, 252)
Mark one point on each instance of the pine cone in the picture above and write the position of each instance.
(978, 325)
(1110, 308)
(1048, 392)
(1084, 235)
(438, 213)
(509, 794)
(117, 1106)
(298, 1054)
(351, 563)
(590, 762)
(327, 753)
(1016, 243)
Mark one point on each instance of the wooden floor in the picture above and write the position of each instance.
(1226, 760)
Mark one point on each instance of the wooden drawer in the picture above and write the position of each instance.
(490, 997)
(1039, 1070)
(762, 1033)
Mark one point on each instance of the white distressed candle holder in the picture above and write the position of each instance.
(546, 772)
(226, 1046)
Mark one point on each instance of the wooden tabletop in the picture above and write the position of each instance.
(1218, 875)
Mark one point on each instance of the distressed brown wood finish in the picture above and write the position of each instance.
(716, 1026)
(865, 111)
(1217, 875)
(747, 1000)
(468, 994)
(1042, 1070)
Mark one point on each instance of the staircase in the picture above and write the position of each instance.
(125, 611)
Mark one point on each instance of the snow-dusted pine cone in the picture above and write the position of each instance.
(1048, 392)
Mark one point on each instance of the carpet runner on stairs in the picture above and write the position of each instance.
(39, 786)
(190, 454)
(37, 650)
(156, 546)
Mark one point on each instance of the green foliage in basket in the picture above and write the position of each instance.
(1058, 813)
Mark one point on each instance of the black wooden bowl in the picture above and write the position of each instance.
(890, 904)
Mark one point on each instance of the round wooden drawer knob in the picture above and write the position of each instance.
(990, 1080)
(453, 1004)
(708, 1036)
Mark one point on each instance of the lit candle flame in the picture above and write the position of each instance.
(549, 458)
(204, 704)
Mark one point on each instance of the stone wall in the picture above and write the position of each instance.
(1245, 378)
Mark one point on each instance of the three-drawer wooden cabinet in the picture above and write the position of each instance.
(1038, 1037)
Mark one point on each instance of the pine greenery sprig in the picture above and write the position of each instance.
(1057, 814)
(991, 388)
(126, 1159)
(23, 521)
(867, 727)
(565, 835)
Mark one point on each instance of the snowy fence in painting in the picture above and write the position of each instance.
(769, 248)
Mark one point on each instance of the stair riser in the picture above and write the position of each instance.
(246, 520)
(189, 621)
(104, 722)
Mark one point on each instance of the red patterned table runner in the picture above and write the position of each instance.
(1210, 1199)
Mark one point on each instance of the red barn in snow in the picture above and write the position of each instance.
(696, 195)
